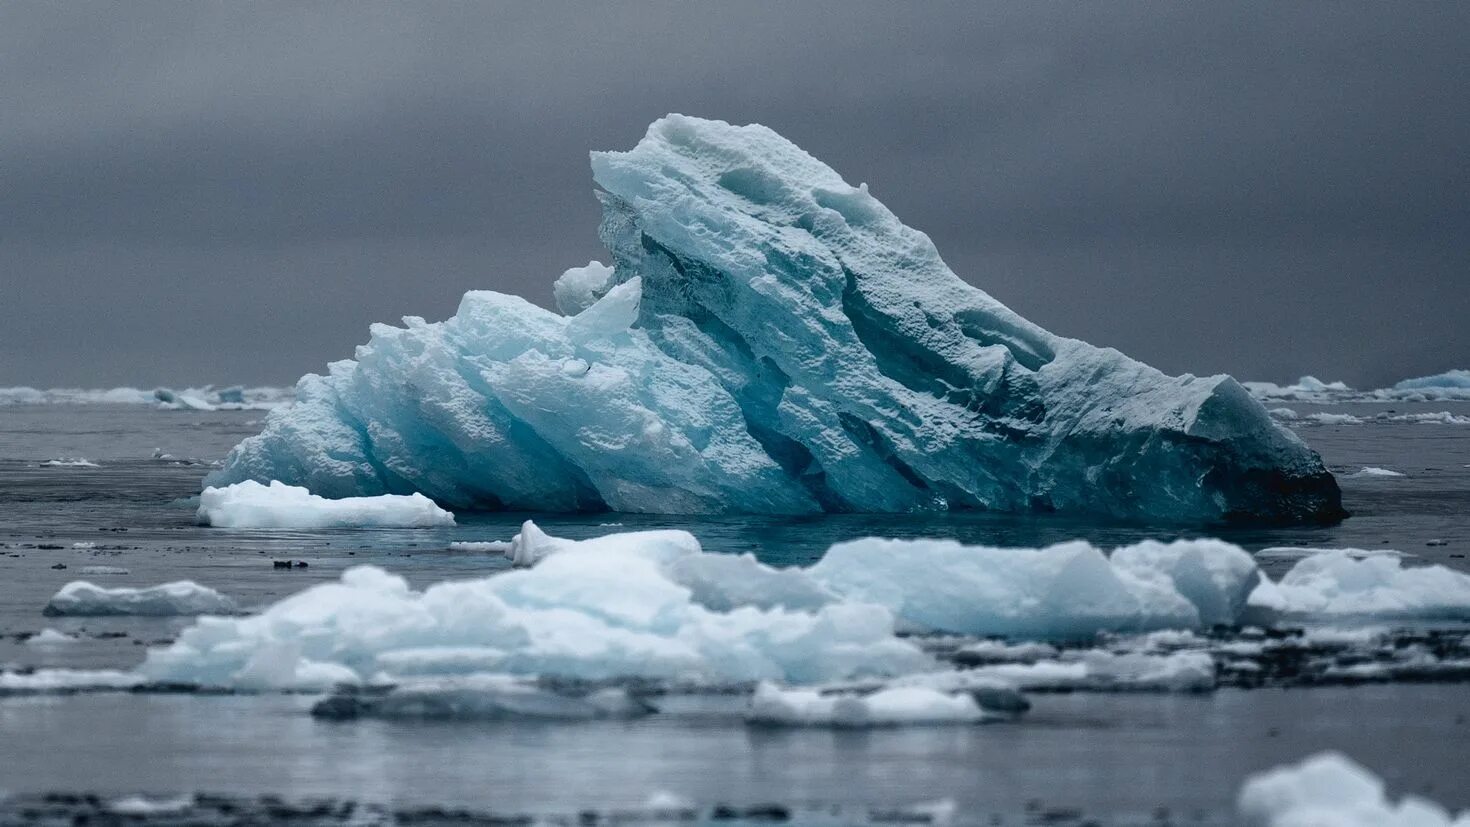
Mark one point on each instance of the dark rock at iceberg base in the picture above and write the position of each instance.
(771, 339)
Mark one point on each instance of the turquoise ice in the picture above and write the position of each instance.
(771, 339)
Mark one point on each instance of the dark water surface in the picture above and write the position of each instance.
(1115, 756)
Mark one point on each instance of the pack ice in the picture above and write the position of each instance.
(771, 339)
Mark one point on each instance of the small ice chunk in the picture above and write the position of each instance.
(774, 706)
(1372, 471)
(71, 462)
(47, 681)
(182, 597)
(1331, 790)
(95, 570)
(1339, 584)
(249, 504)
(49, 637)
(486, 546)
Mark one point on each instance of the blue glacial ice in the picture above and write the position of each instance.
(771, 339)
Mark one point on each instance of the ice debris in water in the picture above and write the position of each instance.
(1372, 471)
(774, 706)
(1066, 590)
(182, 597)
(771, 339)
(249, 504)
(49, 637)
(1340, 583)
(607, 608)
(480, 697)
(653, 605)
(1331, 790)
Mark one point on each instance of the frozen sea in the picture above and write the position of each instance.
(1138, 758)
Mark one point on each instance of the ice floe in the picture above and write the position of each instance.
(1450, 386)
(70, 462)
(1331, 790)
(771, 705)
(1338, 583)
(49, 637)
(1066, 590)
(252, 505)
(771, 339)
(182, 597)
(1372, 472)
(599, 609)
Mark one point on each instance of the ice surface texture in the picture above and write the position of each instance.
(771, 339)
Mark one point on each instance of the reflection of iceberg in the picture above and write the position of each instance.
(771, 339)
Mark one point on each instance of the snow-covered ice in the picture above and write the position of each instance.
(1067, 590)
(597, 609)
(771, 339)
(1331, 790)
(71, 462)
(1340, 583)
(182, 597)
(249, 504)
(909, 705)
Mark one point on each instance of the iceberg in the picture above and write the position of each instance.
(182, 597)
(249, 504)
(1331, 789)
(771, 339)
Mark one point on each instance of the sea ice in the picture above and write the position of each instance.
(1067, 590)
(249, 504)
(773, 706)
(1371, 471)
(601, 609)
(1340, 583)
(771, 339)
(71, 462)
(182, 597)
(48, 637)
(1331, 790)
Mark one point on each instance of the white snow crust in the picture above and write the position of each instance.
(249, 504)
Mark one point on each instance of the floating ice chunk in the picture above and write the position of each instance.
(71, 462)
(1449, 380)
(773, 706)
(1371, 471)
(481, 697)
(252, 505)
(1333, 419)
(1340, 584)
(141, 807)
(772, 340)
(182, 597)
(1306, 389)
(1092, 670)
(95, 570)
(1297, 552)
(1062, 591)
(56, 681)
(49, 637)
(1331, 790)
(605, 608)
(580, 287)
(486, 546)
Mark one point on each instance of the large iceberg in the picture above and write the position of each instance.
(772, 339)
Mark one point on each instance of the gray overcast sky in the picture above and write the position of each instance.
(212, 192)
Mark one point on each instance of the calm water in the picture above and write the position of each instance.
(1119, 757)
